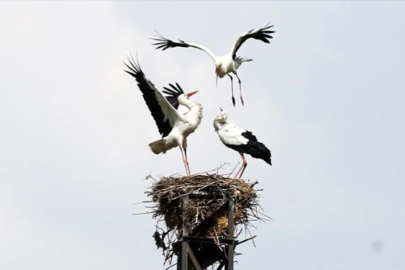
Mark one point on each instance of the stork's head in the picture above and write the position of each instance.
(188, 95)
(220, 120)
(184, 98)
(218, 67)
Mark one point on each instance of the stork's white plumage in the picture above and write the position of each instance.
(240, 140)
(225, 64)
(174, 125)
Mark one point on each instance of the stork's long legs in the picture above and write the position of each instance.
(185, 161)
(240, 89)
(233, 98)
(243, 167)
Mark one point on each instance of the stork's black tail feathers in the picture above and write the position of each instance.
(255, 148)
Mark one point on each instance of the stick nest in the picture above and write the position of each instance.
(206, 209)
(206, 194)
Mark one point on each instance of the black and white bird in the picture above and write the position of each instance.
(240, 140)
(176, 115)
(225, 64)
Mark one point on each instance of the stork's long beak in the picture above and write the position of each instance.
(216, 82)
(191, 93)
(220, 109)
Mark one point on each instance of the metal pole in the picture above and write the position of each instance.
(184, 245)
(194, 259)
(231, 232)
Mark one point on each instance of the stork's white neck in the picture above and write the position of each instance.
(194, 116)
(188, 103)
(221, 120)
(219, 125)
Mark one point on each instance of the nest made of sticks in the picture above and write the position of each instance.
(207, 193)
(206, 212)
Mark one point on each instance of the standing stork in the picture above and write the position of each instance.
(174, 125)
(240, 140)
(225, 64)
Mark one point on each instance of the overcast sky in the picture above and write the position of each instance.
(326, 96)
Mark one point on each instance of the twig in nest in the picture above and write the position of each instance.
(243, 241)
(142, 202)
(239, 233)
(221, 166)
(146, 213)
(233, 169)
(253, 241)
(171, 266)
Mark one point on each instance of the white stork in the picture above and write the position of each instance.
(225, 64)
(240, 140)
(174, 126)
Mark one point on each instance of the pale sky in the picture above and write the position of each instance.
(326, 96)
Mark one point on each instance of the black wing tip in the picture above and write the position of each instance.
(157, 36)
(174, 91)
(165, 43)
(134, 66)
(269, 161)
(266, 153)
(262, 34)
(265, 34)
(269, 158)
(161, 43)
(267, 26)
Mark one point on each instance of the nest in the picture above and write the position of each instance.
(206, 211)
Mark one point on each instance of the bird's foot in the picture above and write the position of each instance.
(241, 100)
(233, 101)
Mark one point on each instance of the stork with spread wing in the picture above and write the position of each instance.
(174, 126)
(225, 64)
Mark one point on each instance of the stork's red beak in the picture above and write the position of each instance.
(191, 93)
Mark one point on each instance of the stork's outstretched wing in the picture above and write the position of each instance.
(162, 111)
(164, 43)
(262, 34)
(172, 95)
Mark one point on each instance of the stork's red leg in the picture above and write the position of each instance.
(238, 172)
(242, 167)
(233, 98)
(184, 161)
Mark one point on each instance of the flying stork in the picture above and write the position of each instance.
(225, 64)
(240, 140)
(174, 125)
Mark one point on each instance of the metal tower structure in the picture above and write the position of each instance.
(187, 260)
